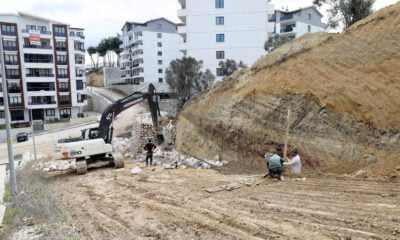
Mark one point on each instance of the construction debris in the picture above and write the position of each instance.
(229, 187)
(136, 170)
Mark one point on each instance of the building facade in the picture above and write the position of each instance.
(148, 49)
(216, 30)
(45, 68)
(294, 24)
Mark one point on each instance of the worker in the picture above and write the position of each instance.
(149, 147)
(274, 164)
(295, 162)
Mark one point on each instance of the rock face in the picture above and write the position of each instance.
(343, 90)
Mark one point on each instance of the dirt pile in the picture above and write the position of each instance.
(343, 90)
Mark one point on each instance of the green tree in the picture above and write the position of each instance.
(184, 77)
(275, 42)
(91, 51)
(230, 66)
(115, 46)
(102, 50)
(346, 12)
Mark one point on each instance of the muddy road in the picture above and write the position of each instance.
(162, 204)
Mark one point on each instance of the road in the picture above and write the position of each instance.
(160, 204)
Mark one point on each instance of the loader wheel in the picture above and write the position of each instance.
(118, 160)
(81, 167)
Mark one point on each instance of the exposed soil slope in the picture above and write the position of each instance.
(343, 89)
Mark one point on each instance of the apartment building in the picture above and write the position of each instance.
(148, 49)
(45, 68)
(294, 24)
(215, 30)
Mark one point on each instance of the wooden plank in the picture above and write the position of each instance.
(229, 187)
(285, 148)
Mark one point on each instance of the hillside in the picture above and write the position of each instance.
(343, 90)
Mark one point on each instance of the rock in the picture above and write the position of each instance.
(205, 166)
(216, 158)
(136, 170)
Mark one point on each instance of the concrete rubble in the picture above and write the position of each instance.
(54, 166)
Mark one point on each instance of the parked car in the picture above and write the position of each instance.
(22, 137)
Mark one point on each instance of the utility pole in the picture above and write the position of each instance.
(33, 134)
(13, 179)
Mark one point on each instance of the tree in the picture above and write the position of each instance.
(230, 66)
(102, 49)
(346, 12)
(115, 46)
(184, 76)
(91, 51)
(275, 42)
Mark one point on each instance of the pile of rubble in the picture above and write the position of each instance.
(122, 145)
(54, 166)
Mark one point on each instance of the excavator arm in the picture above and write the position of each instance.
(108, 116)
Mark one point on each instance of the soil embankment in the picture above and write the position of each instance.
(343, 90)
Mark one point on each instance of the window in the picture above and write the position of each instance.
(10, 45)
(17, 115)
(2, 114)
(219, 20)
(159, 35)
(65, 113)
(160, 62)
(42, 29)
(50, 112)
(220, 54)
(61, 46)
(220, 72)
(30, 27)
(219, 3)
(63, 86)
(62, 73)
(62, 59)
(15, 100)
(11, 59)
(160, 70)
(159, 53)
(159, 44)
(79, 85)
(160, 80)
(59, 31)
(309, 16)
(8, 30)
(309, 28)
(220, 37)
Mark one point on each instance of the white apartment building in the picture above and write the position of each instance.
(294, 24)
(215, 30)
(45, 68)
(148, 49)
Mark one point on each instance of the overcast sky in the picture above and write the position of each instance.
(103, 18)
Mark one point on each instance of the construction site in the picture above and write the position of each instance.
(342, 91)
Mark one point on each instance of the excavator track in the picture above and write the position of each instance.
(81, 167)
(118, 160)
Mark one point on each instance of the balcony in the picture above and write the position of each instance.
(14, 90)
(61, 49)
(60, 34)
(65, 102)
(9, 48)
(79, 75)
(62, 76)
(63, 90)
(286, 17)
(62, 63)
(43, 103)
(18, 104)
(39, 75)
(37, 46)
(11, 62)
(8, 33)
(41, 32)
(287, 30)
(13, 77)
(80, 50)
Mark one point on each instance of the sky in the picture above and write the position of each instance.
(103, 18)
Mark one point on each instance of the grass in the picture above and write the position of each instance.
(36, 201)
(2, 127)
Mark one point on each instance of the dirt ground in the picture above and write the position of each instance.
(173, 204)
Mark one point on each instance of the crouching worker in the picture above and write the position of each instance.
(274, 164)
